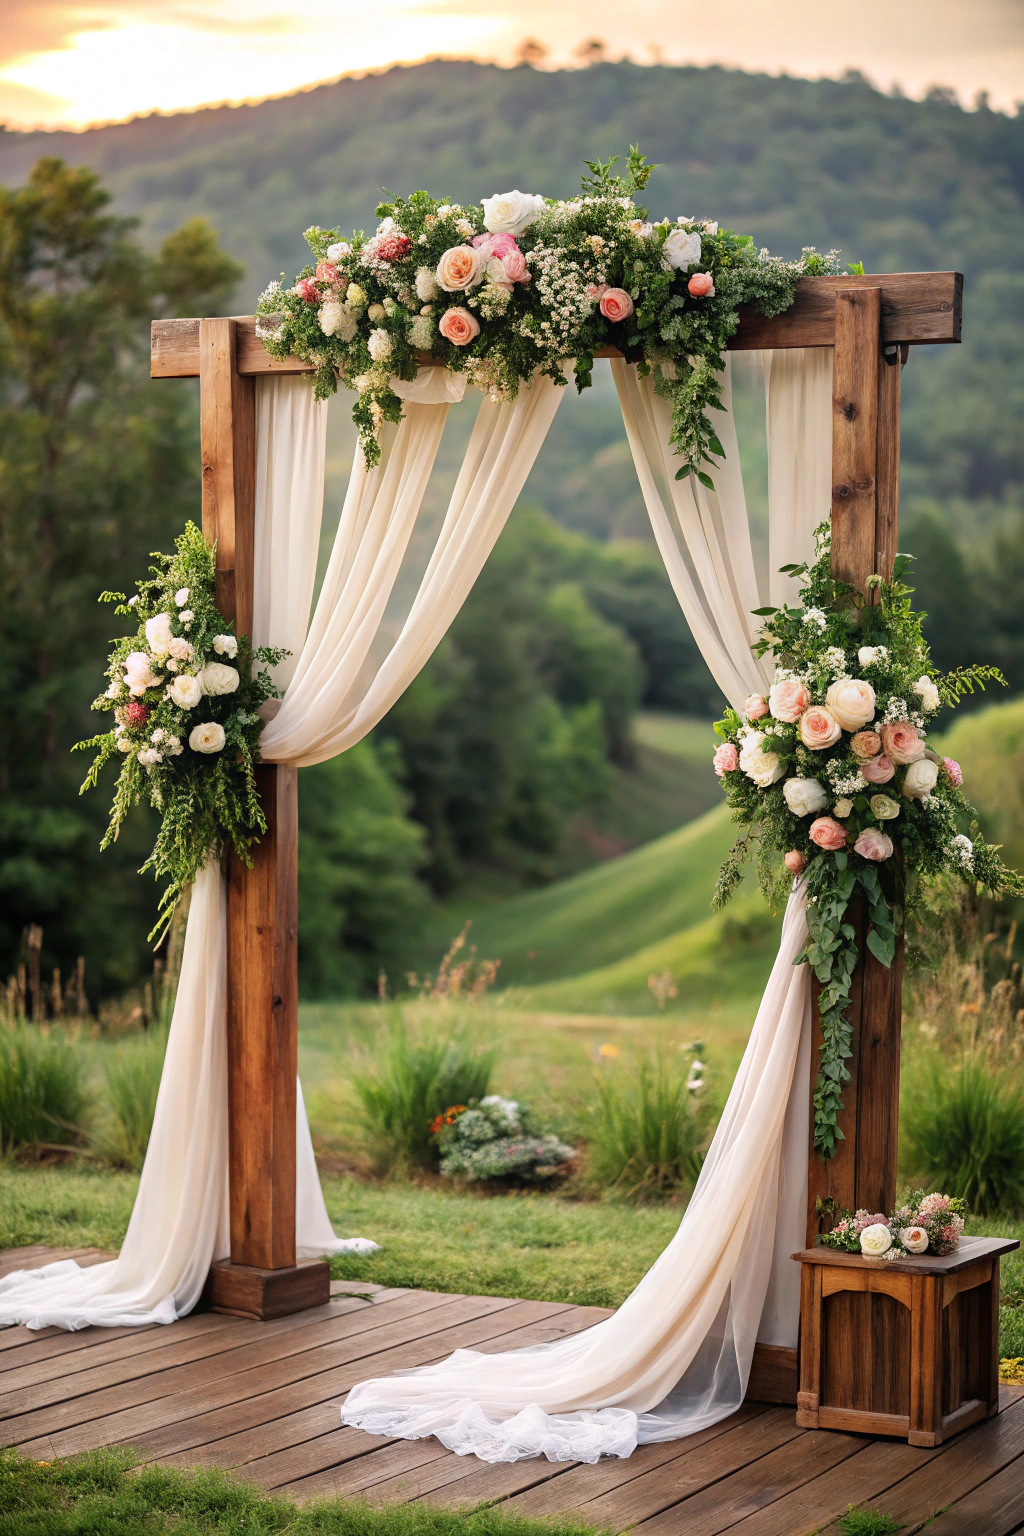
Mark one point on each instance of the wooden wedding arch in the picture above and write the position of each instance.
(871, 322)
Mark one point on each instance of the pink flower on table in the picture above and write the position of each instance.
(726, 758)
(852, 701)
(459, 327)
(901, 743)
(755, 707)
(794, 861)
(701, 285)
(952, 767)
(460, 268)
(877, 770)
(788, 700)
(616, 304)
(819, 728)
(866, 744)
(496, 245)
(307, 288)
(827, 833)
(873, 844)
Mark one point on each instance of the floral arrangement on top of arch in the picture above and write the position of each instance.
(832, 776)
(519, 285)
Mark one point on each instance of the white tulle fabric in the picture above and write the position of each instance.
(676, 1356)
(179, 1224)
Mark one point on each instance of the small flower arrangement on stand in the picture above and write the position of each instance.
(185, 692)
(920, 1224)
(495, 1139)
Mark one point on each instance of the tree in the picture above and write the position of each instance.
(96, 470)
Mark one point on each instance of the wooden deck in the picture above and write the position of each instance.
(262, 1400)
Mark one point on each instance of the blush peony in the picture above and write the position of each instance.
(852, 701)
(616, 304)
(185, 691)
(794, 861)
(819, 728)
(495, 245)
(788, 700)
(873, 844)
(827, 833)
(138, 672)
(726, 758)
(877, 770)
(805, 797)
(158, 633)
(459, 327)
(514, 264)
(460, 268)
(755, 707)
(901, 743)
(216, 678)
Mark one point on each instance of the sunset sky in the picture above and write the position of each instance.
(72, 62)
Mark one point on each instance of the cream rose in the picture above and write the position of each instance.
(180, 649)
(819, 728)
(875, 1240)
(216, 678)
(872, 655)
(682, 249)
(914, 1239)
(181, 596)
(158, 633)
(509, 213)
(459, 327)
(763, 767)
(901, 743)
(852, 701)
(207, 738)
(928, 694)
(884, 808)
(788, 700)
(920, 779)
(138, 673)
(185, 691)
(805, 797)
(460, 268)
(225, 645)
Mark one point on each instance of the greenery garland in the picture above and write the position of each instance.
(833, 779)
(519, 285)
(186, 693)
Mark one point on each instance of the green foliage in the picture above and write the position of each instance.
(964, 1130)
(132, 1082)
(497, 1139)
(107, 1494)
(414, 1076)
(44, 1100)
(866, 1522)
(650, 1128)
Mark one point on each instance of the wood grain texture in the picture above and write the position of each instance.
(242, 1290)
(227, 428)
(858, 347)
(773, 1375)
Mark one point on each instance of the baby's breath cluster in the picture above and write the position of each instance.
(834, 780)
(185, 694)
(520, 283)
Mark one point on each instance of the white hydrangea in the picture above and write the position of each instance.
(338, 250)
(815, 617)
(421, 332)
(337, 319)
(379, 344)
(961, 850)
(427, 287)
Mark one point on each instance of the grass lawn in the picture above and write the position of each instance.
(100, 1495)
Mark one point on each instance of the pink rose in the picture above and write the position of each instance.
(873, 844)
(496, 245)
(827, 834)
(819, 728)
(307, 288)
(459, 327)
(794, 861)
(877, 770)
(788, 700)
(952, 767)
(701, 285)
(755, 707)
(866, 744)
(726, 758)
(460, 268)
(514, 263)
(901, 743)
(597, 290)
(852, 701)
(616, 304)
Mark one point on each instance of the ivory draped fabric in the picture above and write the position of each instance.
(676, 1356)
(179, 1224)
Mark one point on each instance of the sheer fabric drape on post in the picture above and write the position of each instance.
(179, 1225)
(676, 1356)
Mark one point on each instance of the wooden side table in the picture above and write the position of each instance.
(906, 1347)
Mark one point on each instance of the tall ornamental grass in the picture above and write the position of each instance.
(963, 1132)
(650, 1129)
(44, 1099)
(412, 1077)
(132, 1084)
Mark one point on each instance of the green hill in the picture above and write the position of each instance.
(989, 746)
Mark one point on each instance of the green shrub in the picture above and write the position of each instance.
(964, 1133)
(497, 1139)
(866, 1522)
(132, 1084)
(650, 1129)
(43, 1096)
(414, 1078)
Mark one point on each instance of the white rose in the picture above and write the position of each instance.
(763, 767)
(207, 738)
(509, 213)
(875, 1240)
(682, 249)
(172, 746)
(427, 287)
(805, 797)
(138, 673)
(149, 757)
(185, 691)
(216, 678)
(172, 665)
(928, 694)
(180, 649)
(124, 743)
(114, 690)
(914, 1239)
(871, 655)
(339, 249)
(186, 615)
(158, 633)
(181, 596)
(379, 344)
(920, 779)
(225, 645)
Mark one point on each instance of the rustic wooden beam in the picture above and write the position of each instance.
(918, 307)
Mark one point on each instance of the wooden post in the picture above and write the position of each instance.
(865, 516)
(261, 1279)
